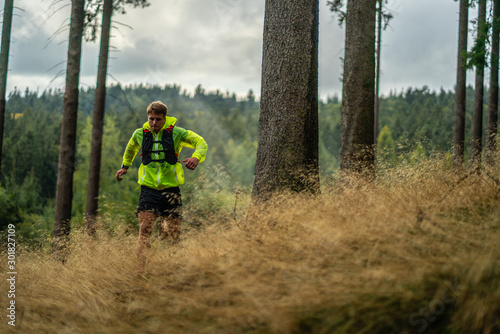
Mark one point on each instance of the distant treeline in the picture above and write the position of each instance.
(416, 120)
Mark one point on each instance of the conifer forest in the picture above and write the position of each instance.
(355, 212)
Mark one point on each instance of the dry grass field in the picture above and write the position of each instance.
(417, 251)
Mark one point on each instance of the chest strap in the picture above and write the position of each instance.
(166, 142)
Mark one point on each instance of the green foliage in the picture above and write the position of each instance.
(385, 140)
(338, 7)
(9, 213)
(418, 155)
(421, 116)
(209, 197)
(22, 205)
(110, 190)
(386, 147)
(329, 118)
(31, 143)
(479, 52)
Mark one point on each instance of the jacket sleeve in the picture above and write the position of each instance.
(193, 140)
(133, 146)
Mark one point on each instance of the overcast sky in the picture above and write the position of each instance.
(218, 44)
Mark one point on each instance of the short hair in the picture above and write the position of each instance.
(157, 107)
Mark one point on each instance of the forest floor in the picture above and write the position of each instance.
(416, 251)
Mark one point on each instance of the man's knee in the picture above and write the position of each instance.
(146, 222)
(172, 227)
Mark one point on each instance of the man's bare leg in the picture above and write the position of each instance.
(146, 221)
(171, 228)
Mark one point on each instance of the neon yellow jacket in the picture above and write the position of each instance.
(163, 175)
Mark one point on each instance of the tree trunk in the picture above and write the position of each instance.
(287, 154)
(491, 131)
(477, 117)
(4, 67)
(460, 90)
(98, 121)
(66, 166)
(357, 146)
(377, 73)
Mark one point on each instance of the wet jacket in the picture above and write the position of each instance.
(162, 175)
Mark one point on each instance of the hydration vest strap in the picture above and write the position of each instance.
(166, 142)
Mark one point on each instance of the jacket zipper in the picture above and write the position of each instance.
(175, 174)
(157, 157)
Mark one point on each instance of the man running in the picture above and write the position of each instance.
(160, 173)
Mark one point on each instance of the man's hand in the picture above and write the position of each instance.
(119, 173)
(191, 163)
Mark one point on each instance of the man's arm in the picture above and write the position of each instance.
(191, 163)
(193, 140)
(120, 173)
(131, 150)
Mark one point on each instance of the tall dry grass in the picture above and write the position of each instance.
(414, 252)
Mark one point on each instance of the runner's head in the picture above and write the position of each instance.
(157, 107)
(157, 111)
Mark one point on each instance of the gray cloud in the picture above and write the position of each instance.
(218, 44)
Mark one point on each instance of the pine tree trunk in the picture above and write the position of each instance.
(377, 72)
(98, 121)
(4, 67)
(287, 154)
(357, 145)
(66, 166)
(460, 90)
(491, 131)
(477, 117)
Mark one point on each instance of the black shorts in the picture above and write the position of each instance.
(165, 203)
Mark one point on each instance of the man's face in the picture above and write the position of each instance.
(156, 121)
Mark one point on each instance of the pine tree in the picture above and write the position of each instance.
(98, 119)
(4, 66)
(491, 131)
(66, 165)
(460, 90)
(287, 154)
(480, 63)
(99, 105)
(357, 148)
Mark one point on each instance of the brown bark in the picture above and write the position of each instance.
(98, 121)
(287, 154)
(460, 90)
(491, 130)
(357, 146)
(66, 166)
(477, 117)
(377, 72)
(4, 66)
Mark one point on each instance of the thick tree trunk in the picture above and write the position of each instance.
(460, 90)
(357, 146)
(4, 67)
(98, 122)
(287, 154)
(491, 131)
(66, 166)
(477, 117)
